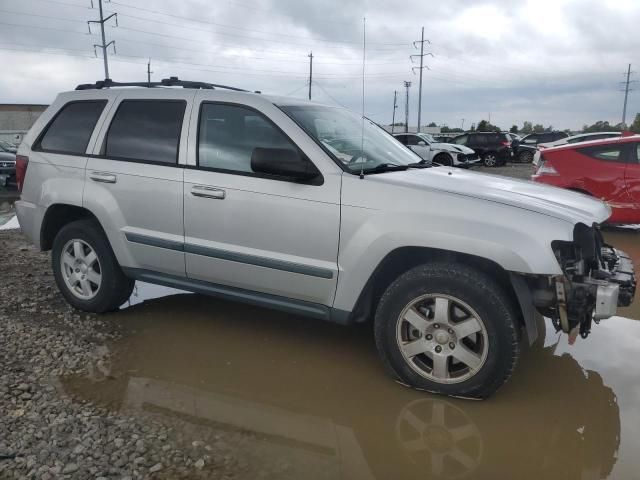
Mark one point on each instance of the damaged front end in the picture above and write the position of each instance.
(597, 280)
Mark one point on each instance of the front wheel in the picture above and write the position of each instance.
(86, 270)
(444, 159)
(448, 329)
(525, 157)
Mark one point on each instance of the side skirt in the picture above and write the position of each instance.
(275, 302)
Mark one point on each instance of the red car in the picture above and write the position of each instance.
(608, 169)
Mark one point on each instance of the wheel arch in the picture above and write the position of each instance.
(57, 216)
(402, 259)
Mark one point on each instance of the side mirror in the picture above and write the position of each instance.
(422, 143)
(282, 162)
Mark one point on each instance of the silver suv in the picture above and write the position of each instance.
(310, 209)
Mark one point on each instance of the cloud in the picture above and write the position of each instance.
(554, 62)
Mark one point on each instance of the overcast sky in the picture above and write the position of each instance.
(557, 62)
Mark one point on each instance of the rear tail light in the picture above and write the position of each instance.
(545, 168)
(22, 162)
(505, 143)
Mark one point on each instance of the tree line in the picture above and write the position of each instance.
(529, 127)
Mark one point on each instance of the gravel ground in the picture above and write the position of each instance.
(45, 434)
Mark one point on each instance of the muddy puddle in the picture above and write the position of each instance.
(313, 396)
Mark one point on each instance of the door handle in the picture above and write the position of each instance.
(102, 177)
(207, 192)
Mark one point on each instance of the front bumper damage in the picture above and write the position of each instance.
(583, 299)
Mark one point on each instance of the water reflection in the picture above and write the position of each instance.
(315, 396)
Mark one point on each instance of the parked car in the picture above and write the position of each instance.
(604, 169)
(525, 149)
(7, 147)
(494, 148)
(304, 208)
(442, 153)
(583, 137)
(7, 168)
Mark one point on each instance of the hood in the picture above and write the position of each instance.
(552, 201)
(451, 147)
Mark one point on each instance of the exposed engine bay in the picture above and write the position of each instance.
(597, 280)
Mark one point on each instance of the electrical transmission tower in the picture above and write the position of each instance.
(103, 45)
(395, 106)
(626, 93)
(406, 107)
(421, 67)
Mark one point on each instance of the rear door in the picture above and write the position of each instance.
(134, 179)
(249, 230)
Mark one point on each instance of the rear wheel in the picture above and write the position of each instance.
(490, 159)
(448, 329)
(86, 270)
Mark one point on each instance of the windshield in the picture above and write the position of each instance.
(427, 137)
(340, 132)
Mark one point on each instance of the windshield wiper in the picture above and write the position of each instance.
(385, 167)
(420, 164)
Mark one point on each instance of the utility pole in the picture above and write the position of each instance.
(626, 95)
(395, 105)
(462, 125)
(421, 67)
(103, 45)
(149, 72)
(310, 72)
(406, 107)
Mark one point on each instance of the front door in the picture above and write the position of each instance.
(253, 231)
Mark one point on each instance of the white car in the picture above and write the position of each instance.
(443, 153)
(583, 137)
(306, 209)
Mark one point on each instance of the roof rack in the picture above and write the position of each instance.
(165, 82)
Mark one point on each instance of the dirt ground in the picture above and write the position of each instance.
(178, 385)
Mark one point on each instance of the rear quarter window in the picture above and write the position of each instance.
(71, 128)
(608, 153)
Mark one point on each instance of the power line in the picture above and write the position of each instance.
(104, 45)
(395, 106)
(310, 72)
(406, 107)
(626, 94)
(234, 27)
(421, 67)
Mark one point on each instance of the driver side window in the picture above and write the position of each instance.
(229, 134)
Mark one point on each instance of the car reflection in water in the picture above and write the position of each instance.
(313, 395)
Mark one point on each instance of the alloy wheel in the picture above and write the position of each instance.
(442, 338)
(81, 269)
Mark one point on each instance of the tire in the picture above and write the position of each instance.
(69, 264)
(490, 159)
(525, 157)
(444, 159)
(494, 346)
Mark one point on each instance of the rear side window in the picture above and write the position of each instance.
(146, 131)
(609, 153)
(71, 128)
